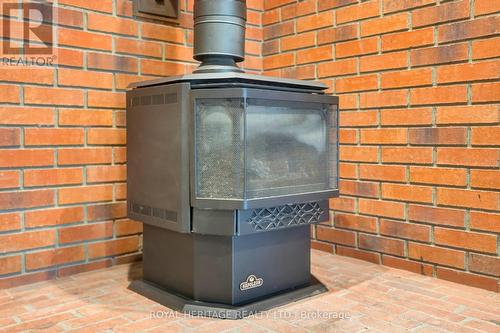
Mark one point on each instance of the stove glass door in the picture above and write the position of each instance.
(287, 148)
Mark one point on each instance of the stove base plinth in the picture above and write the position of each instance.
(222, 311)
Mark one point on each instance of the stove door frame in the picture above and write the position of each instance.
(246, 93)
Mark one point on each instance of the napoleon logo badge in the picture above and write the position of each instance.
(251, 282)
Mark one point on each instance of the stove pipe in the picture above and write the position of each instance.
(219, 35)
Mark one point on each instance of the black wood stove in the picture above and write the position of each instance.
(228, 171)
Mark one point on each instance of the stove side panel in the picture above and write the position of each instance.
(158, 156)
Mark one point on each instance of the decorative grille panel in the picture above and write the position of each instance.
(285, 216)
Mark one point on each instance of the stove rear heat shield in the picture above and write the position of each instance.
(228, 171)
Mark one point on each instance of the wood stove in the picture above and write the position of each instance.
(228, 171)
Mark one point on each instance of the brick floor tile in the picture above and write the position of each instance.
(168, 327)
(281, 326)
(484, 326)
(480, 315)
(145, 324)
(4, 322)
(219, 326)
(92, 319)
(488, 307)
(374, 299)
(45, 324)
(103, 326)
(50, 310)
(248, 327)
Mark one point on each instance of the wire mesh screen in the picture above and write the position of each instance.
(219, 148)
(287, 148)
(249, 148)
(333, 146)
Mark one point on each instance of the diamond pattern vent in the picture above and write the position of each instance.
(285, 216)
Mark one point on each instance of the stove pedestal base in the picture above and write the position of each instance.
(223, 311)
(230, 270)
(226, 276)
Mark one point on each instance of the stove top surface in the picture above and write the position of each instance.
(234, 78)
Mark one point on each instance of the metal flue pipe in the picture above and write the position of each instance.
(219, 34)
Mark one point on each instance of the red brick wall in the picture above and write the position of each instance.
(419, 89)
(420, 138)
(62, 137)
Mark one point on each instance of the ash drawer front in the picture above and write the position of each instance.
(157, 156)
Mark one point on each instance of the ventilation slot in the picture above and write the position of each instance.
(146, 100)
(136, 101)
(158, 213)
(170, 98)
(158, 99)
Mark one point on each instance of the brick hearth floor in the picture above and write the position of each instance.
(362, 297)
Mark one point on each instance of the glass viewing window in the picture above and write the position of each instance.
(249, 148)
